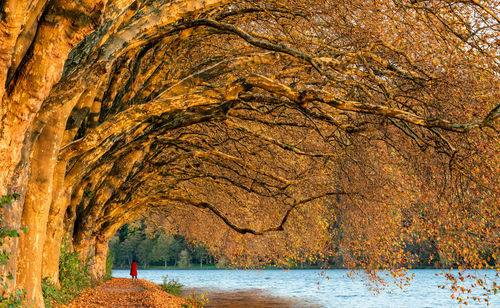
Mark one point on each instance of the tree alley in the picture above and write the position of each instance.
(270, 130)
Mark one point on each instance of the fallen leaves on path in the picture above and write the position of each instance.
(122, 292)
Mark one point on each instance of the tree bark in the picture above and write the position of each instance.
(36, 208)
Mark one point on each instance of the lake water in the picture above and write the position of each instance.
(309, 288)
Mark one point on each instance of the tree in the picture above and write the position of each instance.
(200, 254)
(253, 126)
(165, 249)
(145, 252)
(129, 248)
(114, 248)
(184, 259)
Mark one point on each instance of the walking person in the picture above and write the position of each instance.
(133, 269)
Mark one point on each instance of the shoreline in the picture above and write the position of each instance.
(126, 292)
(269, 268)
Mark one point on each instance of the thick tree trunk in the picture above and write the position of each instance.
(55, 225)
(12, 18)
(98, 267)
(36, 208)
(98, 264)
(38, 72)
(61, 200)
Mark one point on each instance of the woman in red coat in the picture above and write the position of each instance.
(133, 269)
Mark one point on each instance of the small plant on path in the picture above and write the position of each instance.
(196, 301)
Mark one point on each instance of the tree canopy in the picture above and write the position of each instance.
(268, 130)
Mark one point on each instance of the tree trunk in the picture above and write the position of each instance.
(30, 82)
(36, 208)
(98, 265)
(55, 226)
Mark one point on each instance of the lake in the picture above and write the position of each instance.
(308, 288)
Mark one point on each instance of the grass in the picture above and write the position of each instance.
(171, 286)
(174, 287)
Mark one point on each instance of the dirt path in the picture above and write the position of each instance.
(121, 292)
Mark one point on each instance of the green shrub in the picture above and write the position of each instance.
(7, 298)
(73, 276)
(53, 294)
(171, 286)
(73, 272)
(110, 259)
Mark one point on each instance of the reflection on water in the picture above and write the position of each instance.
(309, 288)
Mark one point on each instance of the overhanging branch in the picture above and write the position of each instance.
(245, 230)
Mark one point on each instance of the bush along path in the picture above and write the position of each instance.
(8, 298)
(122, 292)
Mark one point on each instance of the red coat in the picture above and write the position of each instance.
(133, 269)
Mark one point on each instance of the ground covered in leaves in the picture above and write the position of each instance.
(121, 292)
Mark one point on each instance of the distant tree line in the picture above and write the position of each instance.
(155, 248)
(152, 249)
